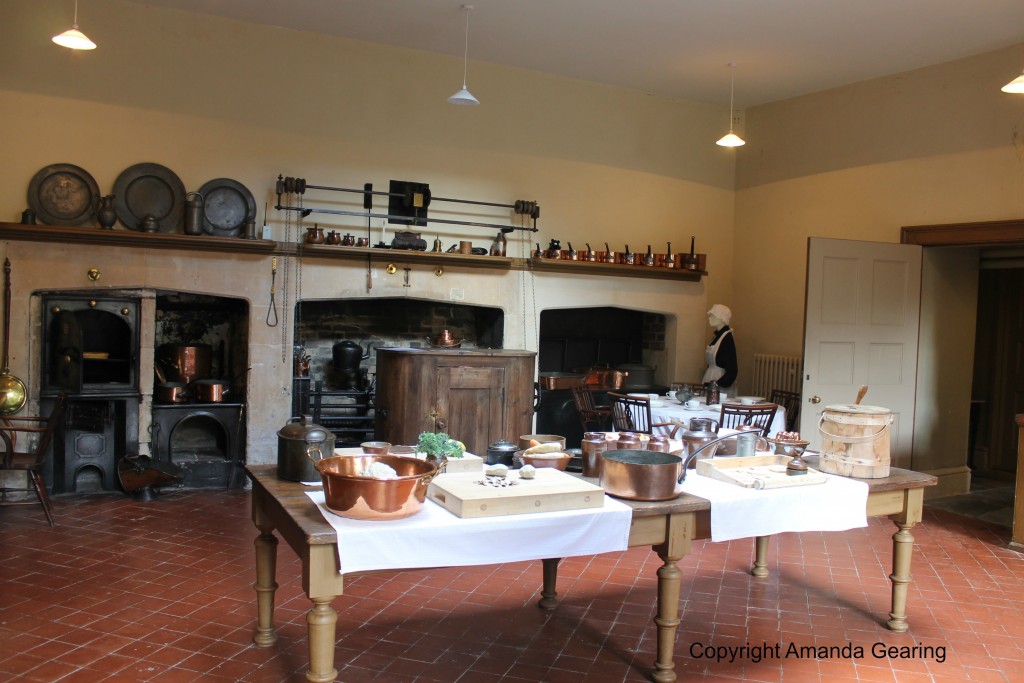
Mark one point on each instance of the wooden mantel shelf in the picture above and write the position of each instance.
(129, 238)
(234, 245)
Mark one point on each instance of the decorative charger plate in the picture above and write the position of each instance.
(149, 190)
(227, 206)
(63, 194)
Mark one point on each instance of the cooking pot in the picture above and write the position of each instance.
(637, 375)
(641, 475)
(500, 453)
(184, 363)
(348, 493)
(293, 440)
(602, 377)
(347, 355)
(210, 390)
(170, 392)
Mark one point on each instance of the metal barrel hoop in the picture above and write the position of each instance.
(853, 439)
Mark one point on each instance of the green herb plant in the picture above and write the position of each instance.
(440, 445)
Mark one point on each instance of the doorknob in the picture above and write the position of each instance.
(815, 399)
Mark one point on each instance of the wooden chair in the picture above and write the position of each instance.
(758, 414)
(15, 433)
(633, 414)
(790, 400)
(594, 418)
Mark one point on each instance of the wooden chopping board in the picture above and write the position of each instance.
(552, 490)
(757, 472)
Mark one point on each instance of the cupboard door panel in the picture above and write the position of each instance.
(471, 401)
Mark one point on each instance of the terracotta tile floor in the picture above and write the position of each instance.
(162, 591)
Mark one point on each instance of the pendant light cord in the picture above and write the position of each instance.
(732, 91)
(465, 53)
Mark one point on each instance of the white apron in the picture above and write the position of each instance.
(713, 373)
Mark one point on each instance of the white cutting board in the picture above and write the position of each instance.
(550, 491)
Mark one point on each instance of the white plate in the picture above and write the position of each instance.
(657, 404)
(697, 409)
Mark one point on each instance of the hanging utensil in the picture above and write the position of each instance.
(12, 390)
(272, 311)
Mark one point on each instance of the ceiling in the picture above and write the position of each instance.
(673, 48)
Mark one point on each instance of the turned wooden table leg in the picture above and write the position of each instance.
(902, 548)
(760, 568)
(667, 619)
(320, 624)
(266, 570)
(548, 594)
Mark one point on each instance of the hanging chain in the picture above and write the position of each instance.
(285, 281)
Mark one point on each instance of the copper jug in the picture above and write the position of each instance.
(695, 439)
(314, 235)
(333, 238)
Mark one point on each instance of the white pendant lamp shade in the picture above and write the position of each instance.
(1015, 86)
(73, 38)
(463, 96)
(730, 139)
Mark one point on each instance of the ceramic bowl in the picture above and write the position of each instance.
(559, 461)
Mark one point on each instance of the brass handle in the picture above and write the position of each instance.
(815, 399)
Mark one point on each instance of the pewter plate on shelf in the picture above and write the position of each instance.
(227, 206)
(149, 190)
(63, 194)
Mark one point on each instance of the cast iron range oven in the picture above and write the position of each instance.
(90, 351)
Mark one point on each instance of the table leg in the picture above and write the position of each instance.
(902, 548)
(760, 569)
(548, 594)
(320, 626)
(667, 619)
(266, 570)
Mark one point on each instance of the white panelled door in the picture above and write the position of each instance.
(861, 328)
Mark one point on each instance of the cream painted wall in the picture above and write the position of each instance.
(938, 145)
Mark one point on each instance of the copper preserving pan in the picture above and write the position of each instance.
(348, 494)
(641, 475)
(553, 381)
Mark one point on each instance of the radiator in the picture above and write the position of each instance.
(776, 372)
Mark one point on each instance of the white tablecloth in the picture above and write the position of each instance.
(434, 537)
(670, 410)
(738, 512)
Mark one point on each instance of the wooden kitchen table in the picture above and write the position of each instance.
(668, 527)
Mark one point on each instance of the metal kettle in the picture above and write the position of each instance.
(701, 433)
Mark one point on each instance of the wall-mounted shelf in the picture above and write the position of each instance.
(130, 238)
(405, 256)
(616, 269)
(234, 245)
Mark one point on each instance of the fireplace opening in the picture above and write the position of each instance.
(198, 438)
(573, 340)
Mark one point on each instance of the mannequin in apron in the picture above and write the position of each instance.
(720, 354)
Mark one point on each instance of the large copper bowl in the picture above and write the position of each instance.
(351, 495)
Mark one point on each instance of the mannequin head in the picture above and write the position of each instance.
(719, 316)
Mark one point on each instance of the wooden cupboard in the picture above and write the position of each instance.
(476, 396)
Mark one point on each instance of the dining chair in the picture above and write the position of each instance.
(21, 455)
(758, 414)
(633, 414)
(594, 418)
(790, 400)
